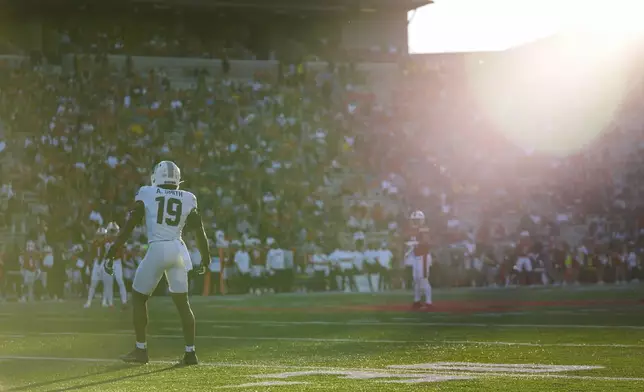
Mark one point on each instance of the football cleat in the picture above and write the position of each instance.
(190, 358)
(138, 355)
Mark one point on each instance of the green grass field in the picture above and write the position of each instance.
(554, 339)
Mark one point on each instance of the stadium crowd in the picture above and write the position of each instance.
(262, 156)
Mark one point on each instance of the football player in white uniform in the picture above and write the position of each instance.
(167, 211)
(108, 280)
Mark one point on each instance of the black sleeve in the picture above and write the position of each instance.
(195, 224)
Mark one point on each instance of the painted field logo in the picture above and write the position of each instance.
(383, 376)
(418, 373)
(494, 367)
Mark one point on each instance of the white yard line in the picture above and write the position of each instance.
(497, 343)
(337, 340)
(406, 373)
(353, 323)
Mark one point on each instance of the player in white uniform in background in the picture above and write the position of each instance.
(96, 274)
(167, 210)
(108, 280)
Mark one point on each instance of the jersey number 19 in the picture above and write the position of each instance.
(172, 209)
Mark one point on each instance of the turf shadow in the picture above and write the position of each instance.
(116, 379)
(111, 369)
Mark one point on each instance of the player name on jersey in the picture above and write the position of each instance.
(166, 211)
(170, 192)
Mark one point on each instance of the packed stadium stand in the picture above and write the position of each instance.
(310, 129)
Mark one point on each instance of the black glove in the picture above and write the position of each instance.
(109, 267)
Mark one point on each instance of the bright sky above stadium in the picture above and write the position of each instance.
(487, 25)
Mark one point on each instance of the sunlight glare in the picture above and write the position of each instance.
(559, 93)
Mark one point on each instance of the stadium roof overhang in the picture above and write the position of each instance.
(276, 5)
(298, 5)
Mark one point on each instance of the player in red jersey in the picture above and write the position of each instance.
(30, 266)
(418, 256)
(96, 257)
(523, 265)
(108, 280)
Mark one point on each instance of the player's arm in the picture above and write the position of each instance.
(135, 218)
(195, 224)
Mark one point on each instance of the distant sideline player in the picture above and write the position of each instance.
(108, 280)
(418, 253)
(167, 210)
(97, 252)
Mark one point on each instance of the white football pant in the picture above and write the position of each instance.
(108, 284)
(29, 279)
(163, 257)
(96, 278)
(43, 279)
(422, 286)
(524, 264)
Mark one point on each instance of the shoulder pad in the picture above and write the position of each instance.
(192, 197)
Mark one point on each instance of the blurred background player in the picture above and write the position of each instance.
(419, 257)
(108, 280)
(97, 253)
(30, 268)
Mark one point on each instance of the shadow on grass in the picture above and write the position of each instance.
(115, 379)
(110, 369)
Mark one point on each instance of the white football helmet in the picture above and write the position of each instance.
(166, 173)
(112, 228)
(417, 218)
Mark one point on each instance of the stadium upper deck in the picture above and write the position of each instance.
(357, 24)
(290, 5)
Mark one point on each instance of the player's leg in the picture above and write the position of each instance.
(188, 326)
(29, 281)
(140, 321)
(108, 290)
(93, 284)
(417, 292)
(177, 278)
(43, 282)
(428, 291)
(146, 278)
(520, 270)
(366, 271)
(118, 276)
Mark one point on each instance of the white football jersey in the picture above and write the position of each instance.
(166, 211)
